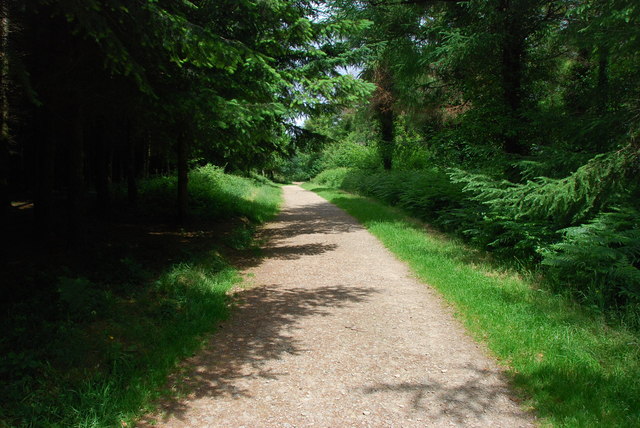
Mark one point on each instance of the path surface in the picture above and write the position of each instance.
(337, 333)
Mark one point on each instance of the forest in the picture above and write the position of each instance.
(142, 142)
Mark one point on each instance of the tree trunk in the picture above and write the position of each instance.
(46, 139)
(386, 117)
(5, 138)
(132, 185)
(383, 101)
(76, 179)
(183, 175)
(103, 197)
(603, 80)
(146, 154)
(513, 49)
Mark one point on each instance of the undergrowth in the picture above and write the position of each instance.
(212, 195)
(584, 242)
(93, 344)
(573, 368)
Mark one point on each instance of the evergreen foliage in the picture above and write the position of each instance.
(594, 186)
(561, 225)
(514, 126)
(426, 194)
(600, 259)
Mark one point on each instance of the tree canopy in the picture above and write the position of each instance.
(530, 107)
(152, 86)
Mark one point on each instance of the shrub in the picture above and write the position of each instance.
(350, 155)
(427, 194)
(599, 260)
(568, 224)
(301, 167)
(332, 177)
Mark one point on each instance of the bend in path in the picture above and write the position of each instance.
(336, 332)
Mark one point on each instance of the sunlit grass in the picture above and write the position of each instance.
(568, 365)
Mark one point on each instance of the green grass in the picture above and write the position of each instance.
(94, 349)
(213, 195)
(104, 362)
(569, 365)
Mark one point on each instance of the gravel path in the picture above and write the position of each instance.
(336, 332)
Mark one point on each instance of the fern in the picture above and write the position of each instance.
(601, 258)
(562, 201)
(568, 224)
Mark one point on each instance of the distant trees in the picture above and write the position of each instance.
(510, 79)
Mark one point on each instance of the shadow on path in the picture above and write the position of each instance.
(258, 332)
(316, 218)
(293, 252)
(320, 217)
(457, 402)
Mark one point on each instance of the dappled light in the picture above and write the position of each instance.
(556, 348)
(440, 402)
(492, 146)
(319, 337)
(260, 330)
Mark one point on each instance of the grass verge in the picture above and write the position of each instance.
(572, 368)
(93, 343)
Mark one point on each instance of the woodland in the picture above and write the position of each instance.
(135, 133)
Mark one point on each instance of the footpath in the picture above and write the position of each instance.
(334, 331)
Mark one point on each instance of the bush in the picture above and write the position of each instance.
(304, 166)
(350, 155)
(586, 246)
(332, 177)
(427, 194)
(566, 224)
(301, 167)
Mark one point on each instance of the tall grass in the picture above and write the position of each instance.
(571, 367)
(96, 352)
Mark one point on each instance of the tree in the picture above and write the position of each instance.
(5, 137)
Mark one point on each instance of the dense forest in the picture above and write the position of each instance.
(135, 140)
(510, 124)
(101, 93)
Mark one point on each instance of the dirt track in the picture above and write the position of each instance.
(335, 332)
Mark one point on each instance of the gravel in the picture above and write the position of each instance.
(331, 330)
